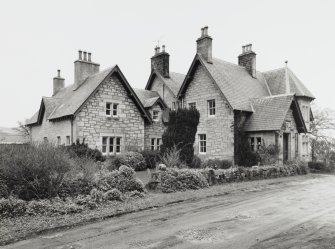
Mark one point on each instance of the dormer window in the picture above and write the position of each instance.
(111, 109)
(155, 115)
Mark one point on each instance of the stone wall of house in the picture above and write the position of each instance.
(165, 93)
(51, 130)
(218, 129)
(154, 130)
(92, 123)
(304, 139)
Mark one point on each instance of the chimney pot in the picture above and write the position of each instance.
(58, 83)
(205, 30)
(160, 61)
(163, 48)
(80, 55)
(58, 73)
(85, 56)
(204, 45)
(89, 56)
(248, 59)
(202, 32)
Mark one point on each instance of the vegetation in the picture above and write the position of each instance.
(82, 150)
(135, 160)
(151, 157)
(180, 133)
(217, 164)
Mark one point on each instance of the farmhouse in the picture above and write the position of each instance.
(273, 107)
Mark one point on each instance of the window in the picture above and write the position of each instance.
(252, 143)
(192, 105)
(155, 115)
(211, 107)
(111, 145)
(68, 141)
(155, 143)
(202, 143)
(259, 142)
(112, 109)
(296, 137)
(59, 141)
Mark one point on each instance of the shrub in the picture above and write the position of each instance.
(171, 158)
(33, 171)
(151, 158)
(182, 179)
(268, 155)
(180, 132)
(12, 207)
(196, 162)
(321, 166)
(113, 195)
(123, 180)
(82, 150)
(135, 160)
(217, 164)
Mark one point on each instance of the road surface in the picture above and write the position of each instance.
(297, 215)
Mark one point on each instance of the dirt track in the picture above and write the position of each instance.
(296, 215)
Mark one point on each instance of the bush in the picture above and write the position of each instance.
(171, 158)
(123, 179)
(268, 155)
(135, 160)
(151, 158)
(113, 195)
(321, 166)
(217, 164)
(12, 207)
(33, 171)
(82, 150)
(196, 162)
(182, 179)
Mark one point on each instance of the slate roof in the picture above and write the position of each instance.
(269, 113)
(148, 98)
(68, 100)
(276, 81)
(173, 82)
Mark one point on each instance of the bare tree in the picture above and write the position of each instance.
(23, 129)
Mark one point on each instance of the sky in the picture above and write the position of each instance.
(39, 37)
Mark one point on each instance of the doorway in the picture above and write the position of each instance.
(286, 137)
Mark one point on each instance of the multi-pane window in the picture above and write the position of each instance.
(68, 140)
(155, 143)
(155, 115)
(202, 143)
(111, 109)
(111, 145)
(59, 141)
(252, 143)
(259, 142)
(192, 105)
(211, 107)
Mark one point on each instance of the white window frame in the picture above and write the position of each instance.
(155, 117)
(192, 105)
(158, 143)
(202, 143)
(112, 146)
(155, 143)
(211, 107)
(112, 108)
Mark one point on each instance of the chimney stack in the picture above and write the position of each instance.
(58, 83)
(84, 67)
(160, 61)
(204, 45)
(248, 59)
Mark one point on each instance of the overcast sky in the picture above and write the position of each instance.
(39, 37)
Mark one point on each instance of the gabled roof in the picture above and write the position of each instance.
(149, 98)
(68, 101)
(276, 80)
(173, 82)
(234, 81)
(270, 112)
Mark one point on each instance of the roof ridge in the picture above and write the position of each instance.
(228, 62)
(272, 70)
(275, 96)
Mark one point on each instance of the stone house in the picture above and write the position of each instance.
(100, 107)
(272, 107)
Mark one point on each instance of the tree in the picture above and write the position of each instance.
(322, 128)
(180, 133)
(23, 130)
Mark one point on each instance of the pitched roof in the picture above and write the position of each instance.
(173, 82)
(148, 98)
(234, 81)
(270, 112)
(276, 80)
(69, 100)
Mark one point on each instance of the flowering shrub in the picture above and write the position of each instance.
(182, 179)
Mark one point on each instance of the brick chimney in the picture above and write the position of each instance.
(248, 59)
(204, 45)
(58, 83)
(84, 67)
(160, 61)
